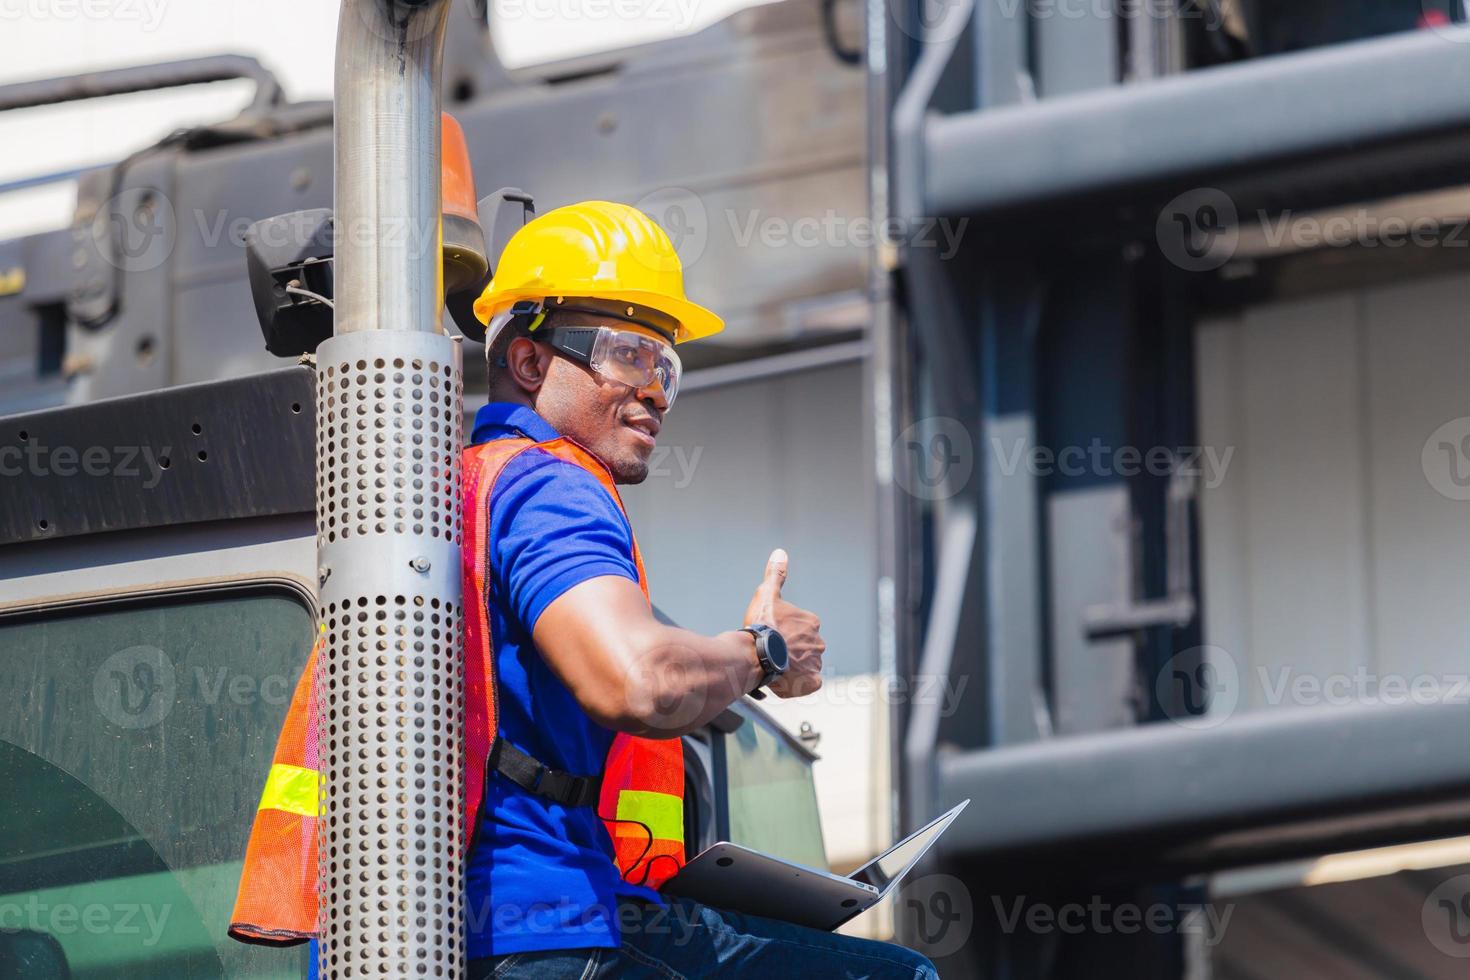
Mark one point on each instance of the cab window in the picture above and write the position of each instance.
(133, 749)
(771, 796)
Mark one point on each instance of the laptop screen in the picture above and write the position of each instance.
(892, 864)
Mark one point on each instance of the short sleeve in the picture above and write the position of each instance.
(552, 527)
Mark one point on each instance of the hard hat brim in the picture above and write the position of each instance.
(695, 322)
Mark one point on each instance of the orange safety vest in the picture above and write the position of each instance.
(642, 779)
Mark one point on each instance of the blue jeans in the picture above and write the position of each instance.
(688, 940)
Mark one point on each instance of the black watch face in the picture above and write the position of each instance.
(776, 650)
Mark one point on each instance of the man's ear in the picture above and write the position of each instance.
(526, 362)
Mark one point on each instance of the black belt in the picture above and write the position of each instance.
(529, 774)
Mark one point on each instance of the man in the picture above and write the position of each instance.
(582, 317)
(575, 693)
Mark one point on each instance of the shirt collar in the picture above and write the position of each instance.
(500, 419)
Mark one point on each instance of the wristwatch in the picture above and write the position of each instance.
(770, 651)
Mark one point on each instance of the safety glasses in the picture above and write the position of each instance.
(626, 356)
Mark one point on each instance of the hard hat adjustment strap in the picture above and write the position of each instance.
(644, 316)
(536, 311)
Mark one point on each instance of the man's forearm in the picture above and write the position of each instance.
(632, 673)
(681, 679)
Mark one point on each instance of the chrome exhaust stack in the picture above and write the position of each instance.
(389, 432)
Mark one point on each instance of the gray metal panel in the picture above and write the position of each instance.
(1288, 526)
(219, 196)
(1076, 48)
(159, 458)
(1000, 41)
(131, 351)
(137, 561)
(1415, 352)
(1333, 544)
(1014, 607)
(1163, 780)
(1088, 558)
(1321, 101)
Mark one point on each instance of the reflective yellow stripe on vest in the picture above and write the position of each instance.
(664, 814)
(290, 788)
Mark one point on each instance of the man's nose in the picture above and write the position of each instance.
(653, 392)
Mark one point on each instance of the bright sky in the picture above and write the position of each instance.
(45, 38)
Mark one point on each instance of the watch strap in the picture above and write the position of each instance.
(768, 671)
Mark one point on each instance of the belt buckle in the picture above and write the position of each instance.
(555, 784)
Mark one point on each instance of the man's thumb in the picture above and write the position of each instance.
(775, 573)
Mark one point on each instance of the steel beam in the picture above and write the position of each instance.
(1325, 101)
(1203, 786)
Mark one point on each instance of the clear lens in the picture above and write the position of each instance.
(636, 360)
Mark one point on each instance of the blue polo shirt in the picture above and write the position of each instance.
(540, 875)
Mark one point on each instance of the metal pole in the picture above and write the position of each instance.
(389, 434)
(388, 205)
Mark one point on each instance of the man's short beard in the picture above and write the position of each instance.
(630, 472)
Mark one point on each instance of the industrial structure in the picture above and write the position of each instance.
(1096, 363)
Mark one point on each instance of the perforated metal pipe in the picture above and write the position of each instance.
(389, 432)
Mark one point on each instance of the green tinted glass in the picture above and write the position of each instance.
(773, 799)
(134, 743)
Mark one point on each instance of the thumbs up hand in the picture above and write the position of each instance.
(799, 628)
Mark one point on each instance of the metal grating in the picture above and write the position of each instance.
(390, 431)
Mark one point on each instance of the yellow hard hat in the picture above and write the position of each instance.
(601, 251)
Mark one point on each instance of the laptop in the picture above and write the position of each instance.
(729, 876)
